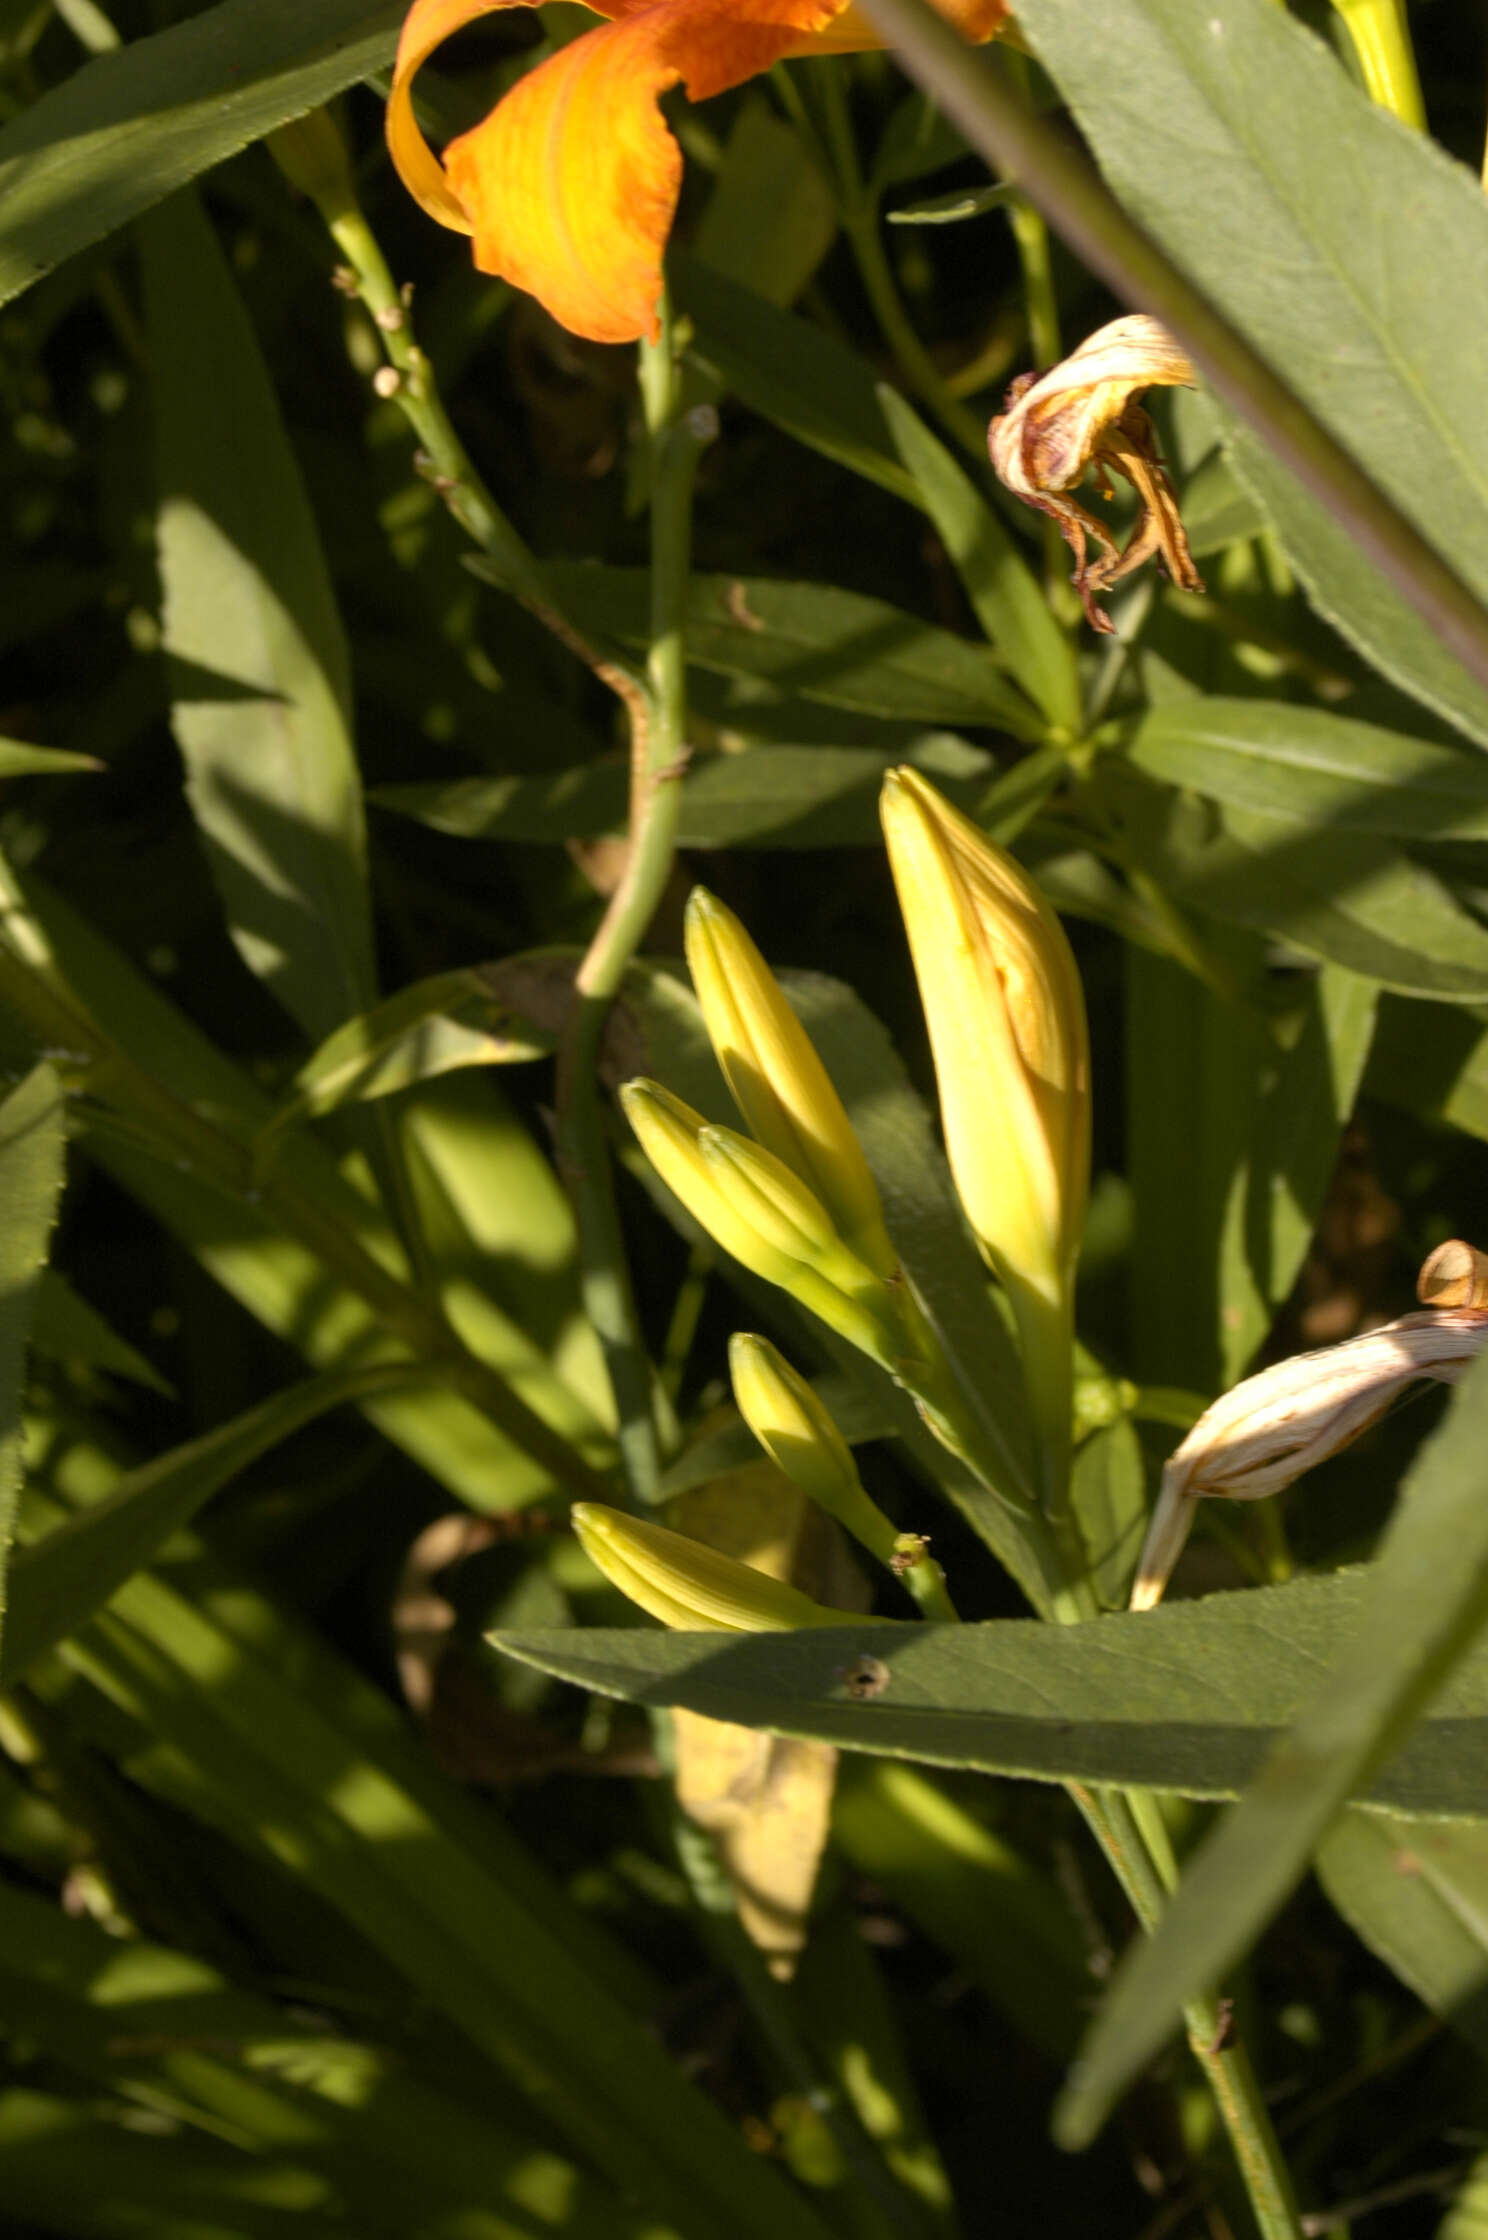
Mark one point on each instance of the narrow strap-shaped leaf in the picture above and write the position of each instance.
(1416, 1892)
(33, 1139)
(1009, 602)
(274, 1735)
(57, 1582)
(130, 127)
(258, 665)
(1192, 1706)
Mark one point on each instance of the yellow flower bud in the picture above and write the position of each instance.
(689, 1585)
(1006, 1015)
(801, 1439)
(783, 1211)
(757, 1210)
(776, 1078)
(799, 1436)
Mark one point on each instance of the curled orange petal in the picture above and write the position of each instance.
(570, 185)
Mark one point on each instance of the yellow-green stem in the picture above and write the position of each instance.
(658, 762)
(1112, 1816)
(1381, 39)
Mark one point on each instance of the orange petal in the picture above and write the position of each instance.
(570, 185)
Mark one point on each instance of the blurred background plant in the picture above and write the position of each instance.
(383, 667)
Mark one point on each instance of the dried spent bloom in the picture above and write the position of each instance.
(1267, 1431)
(1083, 414)
(570, 184)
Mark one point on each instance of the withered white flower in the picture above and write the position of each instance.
(1274, 1426)
(1084, 413)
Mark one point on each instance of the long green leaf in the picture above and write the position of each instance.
(1340, 245)
(790, 372)
(813, 639)
(284, 1270)
(173, 2188)
(1416, 1891)
(56, 1583)
(1353, 898)
(162, 2029)
(33, 1140)
(270, 1734)
(1009, 602)
(1285, 761)
(259, 669)
(1349, 591)
(1192, 1706)
(1424, 1607)
(765, 797)
(130, 127)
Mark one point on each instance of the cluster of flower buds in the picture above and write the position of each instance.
(794, 1201)
(1268, 1430)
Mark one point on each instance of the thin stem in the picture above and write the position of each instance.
(1381, 39)
(409, 380)
(659, 755)
(974, 91)
(857, 205)
(1112, 1816)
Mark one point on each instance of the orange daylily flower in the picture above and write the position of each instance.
(569, 186)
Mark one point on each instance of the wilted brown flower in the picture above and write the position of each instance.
(1083, 414)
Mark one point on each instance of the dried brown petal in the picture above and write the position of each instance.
(1082, 414)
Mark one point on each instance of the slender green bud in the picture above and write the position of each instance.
(799, 1436)
(776, 1078)
(689, 1585)
(311, 153)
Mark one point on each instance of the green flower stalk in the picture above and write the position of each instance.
(799, 1436)
(1008, 1034)
(1387, 62)
(690, 1586)
(752, 1205)
(777, 1080)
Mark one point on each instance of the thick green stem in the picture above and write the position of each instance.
(974, 90)
(658, 762)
